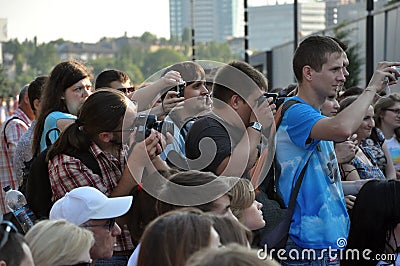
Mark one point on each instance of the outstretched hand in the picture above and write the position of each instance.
(384, 75)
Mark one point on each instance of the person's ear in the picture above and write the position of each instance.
(105, 136)
(307, 73)
(235, 101)
(36, 103)
(3, 263)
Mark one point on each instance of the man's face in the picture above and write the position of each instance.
(197, 96)
(331, 77)
(104, 238)
(125, 87)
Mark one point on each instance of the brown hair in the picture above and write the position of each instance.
(243, 195)
(173, 237)
(230, 255)
(237, 78)
(103, 111)
(63, 76)
(380, 108)
(231, 230)
(313, 51)
(190, 178)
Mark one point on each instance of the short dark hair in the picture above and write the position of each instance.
(189, 70)
(190, 178)
(35, 89)
(12, 252)
(22, 93)
(239, 78)
(107, 76)
(313, 51)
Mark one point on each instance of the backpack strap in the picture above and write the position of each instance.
(258, 168)
(5, 126)
(88, 159)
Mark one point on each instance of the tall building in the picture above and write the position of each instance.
(212, 20)
(273, 25)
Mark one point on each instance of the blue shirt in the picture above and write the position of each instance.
(320, 218)
(50, 123)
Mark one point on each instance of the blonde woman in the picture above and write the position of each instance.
(244, 205)
(59, 242)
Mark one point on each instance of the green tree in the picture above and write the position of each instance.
(159, 59)
(149, 38)
(353, 55)
(214, 51)
(5, 85)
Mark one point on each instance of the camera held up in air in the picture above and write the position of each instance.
(144, 123)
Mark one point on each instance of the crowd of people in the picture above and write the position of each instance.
(171, 172)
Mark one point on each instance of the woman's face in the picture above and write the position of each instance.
(391, 116)
(252, 216)
(364, 131)
(77, 94)
(330, 106)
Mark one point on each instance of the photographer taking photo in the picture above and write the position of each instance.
(99, 132)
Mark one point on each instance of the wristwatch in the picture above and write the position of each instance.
(256, 125)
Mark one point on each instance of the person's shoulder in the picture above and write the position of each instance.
(60, 115)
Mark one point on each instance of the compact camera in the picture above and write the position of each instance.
(144, 123)
(180, 87)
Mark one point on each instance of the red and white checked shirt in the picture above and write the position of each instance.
(67, 173)
(14, 130)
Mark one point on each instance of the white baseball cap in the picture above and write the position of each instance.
(86, 203)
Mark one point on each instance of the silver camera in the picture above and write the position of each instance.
(395, 74)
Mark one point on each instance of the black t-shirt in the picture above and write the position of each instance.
(215, 137)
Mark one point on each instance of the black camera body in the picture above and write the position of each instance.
(180, 87)
(267, 95)
(145, 123)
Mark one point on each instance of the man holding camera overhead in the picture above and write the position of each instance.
(196, 101)
(225, 141)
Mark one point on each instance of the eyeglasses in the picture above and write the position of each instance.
(109, 224)
(127, 90)
(83, 263)
(8, 227)
(396, 111)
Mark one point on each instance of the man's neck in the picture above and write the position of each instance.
(308, 94)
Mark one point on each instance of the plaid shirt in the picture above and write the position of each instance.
(15, 129)
(67, 173)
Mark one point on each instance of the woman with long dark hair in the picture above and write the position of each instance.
(65, 91)
(375, 225)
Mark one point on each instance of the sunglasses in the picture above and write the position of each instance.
(109, 224)
(8, 227)
(127, 90)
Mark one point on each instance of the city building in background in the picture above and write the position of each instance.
(211, 20)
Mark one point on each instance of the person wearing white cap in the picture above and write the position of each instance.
(90, 208)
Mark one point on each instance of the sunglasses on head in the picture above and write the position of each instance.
(8, 227)
(127, 90)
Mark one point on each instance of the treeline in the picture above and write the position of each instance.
(23, 61)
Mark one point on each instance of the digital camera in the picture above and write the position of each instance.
(398, 70)
(180, 87)
(144, 123)
(267, 95)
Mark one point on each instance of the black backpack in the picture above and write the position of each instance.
(38, 189)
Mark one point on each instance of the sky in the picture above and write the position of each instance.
(88, 20)
(84, 20)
